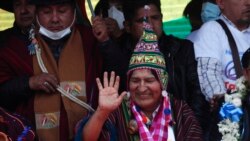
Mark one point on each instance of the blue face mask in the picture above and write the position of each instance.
(210, 11)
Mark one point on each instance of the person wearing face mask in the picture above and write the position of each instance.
(111, 10)
(192, 12)
(151, 113)
(61, 58)
(219, 45)
(178, 54)
(209, 11)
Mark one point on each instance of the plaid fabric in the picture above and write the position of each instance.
(209, 72)
(159, 129)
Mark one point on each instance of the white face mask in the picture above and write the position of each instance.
(55, 35)
(117, 15)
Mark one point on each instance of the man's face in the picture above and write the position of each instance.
(238, 11)
(55, 17)
(154, 18)
(145, 89)
(24, 13)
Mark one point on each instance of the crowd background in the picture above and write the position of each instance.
(173, 21)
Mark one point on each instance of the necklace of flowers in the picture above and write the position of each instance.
(231, 112)
(34, 49)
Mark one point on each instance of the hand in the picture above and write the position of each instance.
(100, 29)
(109, 99)
(113, 28)
(214, 102)
(43, 82)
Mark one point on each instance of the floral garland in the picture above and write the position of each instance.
(231, 112)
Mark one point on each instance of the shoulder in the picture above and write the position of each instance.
(175, 44)
(180, 104)
(209, 31)
(211, 27)
(210, 40)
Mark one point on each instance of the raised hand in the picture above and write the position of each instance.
(109, 99)
(113, 28)
(100, 29)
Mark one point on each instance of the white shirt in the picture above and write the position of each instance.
(192, 35)
(211, 42)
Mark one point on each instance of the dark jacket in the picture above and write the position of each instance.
(246, 118)
(181, 67)
(14, 47)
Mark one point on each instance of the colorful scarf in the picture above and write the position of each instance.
(159, 128)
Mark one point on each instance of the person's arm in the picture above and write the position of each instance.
(109, 100)
(113, 59)
(94, 126)
(209, 71)
(211, 81)
(113, 28)
(188, 128)
(13, 91)
(16, 87)
(195, 99)
(114, 53)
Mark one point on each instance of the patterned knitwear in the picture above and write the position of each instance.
(147, 55)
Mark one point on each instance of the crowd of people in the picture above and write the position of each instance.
(122, 78)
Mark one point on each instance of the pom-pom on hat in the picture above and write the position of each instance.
(147, 54)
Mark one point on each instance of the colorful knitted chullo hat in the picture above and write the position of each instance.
(147, 54)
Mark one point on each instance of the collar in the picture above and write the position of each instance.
(155, 112)
(224, 18)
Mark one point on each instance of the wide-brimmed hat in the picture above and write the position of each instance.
(49, 2)
(6, 5)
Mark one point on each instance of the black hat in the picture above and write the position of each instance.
(49, 2)
(6, 5)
